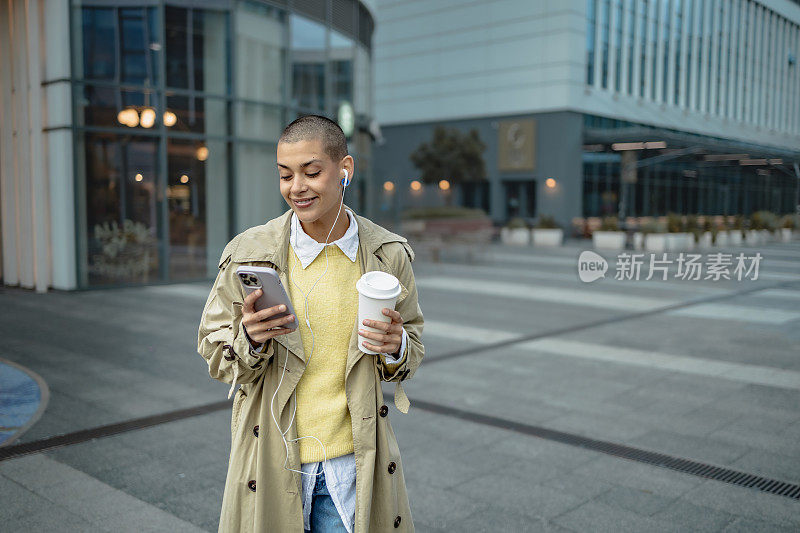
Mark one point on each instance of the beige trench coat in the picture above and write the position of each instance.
(260, 494)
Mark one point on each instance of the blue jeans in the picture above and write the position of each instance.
(324, 515)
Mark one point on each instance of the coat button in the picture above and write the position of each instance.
(392, 467)
(255, 430)
(383, 410)
(397, 521)
(226, 349)
(252, 485)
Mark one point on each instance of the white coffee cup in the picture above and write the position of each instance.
(376, 290)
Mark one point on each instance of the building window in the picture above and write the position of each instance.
(176, 123)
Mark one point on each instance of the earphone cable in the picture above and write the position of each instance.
(308, 324)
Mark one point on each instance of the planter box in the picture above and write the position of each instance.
(638, 240)
(735, 237)
(609, 240)
(753, 237)
(655, 242)
(766, 236)
(679, 241)
(705, 240)
(547, 237)
(688, 241)
(515, 236)
(786, 234)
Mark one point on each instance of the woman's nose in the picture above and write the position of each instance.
(298, 184)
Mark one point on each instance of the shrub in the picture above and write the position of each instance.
(609, 223)
(651, 226)
(787, 221)
(517, 223)
(691, 223)
(674, 223)
(443, 212)
(547, 222)
(763, 220)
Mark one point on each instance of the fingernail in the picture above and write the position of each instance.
(365, 322)
(283, 308)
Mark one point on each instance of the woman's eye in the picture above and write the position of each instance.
(286, 177)
(314, 174)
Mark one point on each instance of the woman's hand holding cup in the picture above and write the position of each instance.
(257, 324)
(389, 338)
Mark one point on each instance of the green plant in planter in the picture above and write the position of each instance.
(443, 212)
(757, 220)
(691, 223)
(714, 232)
(547, 222)
(674, 223)
(738, 224)
(123, 252)
(787, 221)
(651, 226)
(692, 227)
(517, 223)
(769, 221)
(609, 223)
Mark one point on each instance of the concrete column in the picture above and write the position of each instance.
(613, 44)
(745, 22)
(59, 142)
(649, 52)
(638, 16)
(10, 265)
(714, 66)
(627, 38)
(693, 65)
(704, 66)
(22, 138)
(683, 101)
(669, 98)
(659, 54)
(598, 42)
(724, 73)
(40, 197)
(758, 25)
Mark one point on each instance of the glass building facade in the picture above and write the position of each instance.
(177, 110)
(731, 60)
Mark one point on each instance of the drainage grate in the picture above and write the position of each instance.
(687, 466)
(25, 448)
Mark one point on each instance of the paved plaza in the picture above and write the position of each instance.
(532, 386)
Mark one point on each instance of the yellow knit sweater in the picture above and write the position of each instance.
(332, 310)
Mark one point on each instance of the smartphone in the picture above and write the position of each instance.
(253, 278)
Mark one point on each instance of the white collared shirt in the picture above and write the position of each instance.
(340, 472)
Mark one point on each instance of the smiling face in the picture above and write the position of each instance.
(310, 182)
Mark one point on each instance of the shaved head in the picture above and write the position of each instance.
(317, 127)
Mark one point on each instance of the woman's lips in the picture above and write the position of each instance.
(304, 204)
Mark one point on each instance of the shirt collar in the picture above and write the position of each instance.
(307, 249)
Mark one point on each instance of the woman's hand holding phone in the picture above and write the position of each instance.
(257, 324)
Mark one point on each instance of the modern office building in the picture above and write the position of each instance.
(592, 107)
(138, 136)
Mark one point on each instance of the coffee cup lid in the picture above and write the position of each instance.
(378, 284)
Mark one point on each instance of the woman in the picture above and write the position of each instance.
(312, 447)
